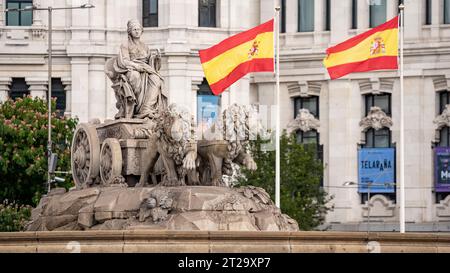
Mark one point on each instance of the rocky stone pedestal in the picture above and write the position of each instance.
(160, 208)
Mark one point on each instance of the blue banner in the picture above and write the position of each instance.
(376, 169)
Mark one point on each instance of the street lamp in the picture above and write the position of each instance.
(50, 156)
(369, 184)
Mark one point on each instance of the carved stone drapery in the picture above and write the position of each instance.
(376, 119)
(305, 121)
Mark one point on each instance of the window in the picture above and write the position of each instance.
(19, 18)
(377, 13)
(207, 13)
(378, 138)
(283, 17)
(446, 11)
(150, 13)
(19, 88)
(327, 15)
(444, 99)
(428, 12)
(311, 140)
(208, 106)
(383, 101)
(354, 14)
(311, 103)
(306, 15)
(59, 93)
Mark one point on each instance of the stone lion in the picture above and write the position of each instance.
(171, 138)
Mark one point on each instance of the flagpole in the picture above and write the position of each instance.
(278, 125)
(402, 125)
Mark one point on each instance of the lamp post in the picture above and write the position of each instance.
(50, 156)
(369, 185)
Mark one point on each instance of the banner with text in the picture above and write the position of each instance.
(442, 169)
(376, 169)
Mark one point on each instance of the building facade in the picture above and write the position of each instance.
(343, 122)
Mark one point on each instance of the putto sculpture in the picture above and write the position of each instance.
(113, 162)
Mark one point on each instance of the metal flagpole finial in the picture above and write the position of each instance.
(401, 6)
(278, 8)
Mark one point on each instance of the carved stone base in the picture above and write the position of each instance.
(160, 208)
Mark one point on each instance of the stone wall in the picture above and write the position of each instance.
(146, 241)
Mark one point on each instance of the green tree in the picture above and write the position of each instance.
(23, 148)
(302, 197)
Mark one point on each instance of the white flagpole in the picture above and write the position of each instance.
(402, 126)
(278, 125)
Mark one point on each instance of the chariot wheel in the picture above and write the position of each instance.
(111, 162)
(85, 154)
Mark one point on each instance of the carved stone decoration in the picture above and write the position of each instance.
(304, 89)
(375, 119)
(376, 86)
(304, 121)
(380, 207)
(443, 209)
(164, 208)
(111, 163)
(443, 119)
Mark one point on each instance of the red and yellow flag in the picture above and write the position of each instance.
(233, 58)
(375, 49)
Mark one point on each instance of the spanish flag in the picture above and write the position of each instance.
(375, 49)
(233, 58)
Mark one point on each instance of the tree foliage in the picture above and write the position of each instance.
(302, 196)
(23, 148)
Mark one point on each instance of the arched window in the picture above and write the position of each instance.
(207, 13)
(19, 88)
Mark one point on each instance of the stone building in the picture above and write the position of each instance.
(83, 40)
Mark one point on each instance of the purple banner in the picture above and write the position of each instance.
(442, 169)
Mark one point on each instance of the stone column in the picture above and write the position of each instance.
(97, 21)
(340, 12)
(177, 81)
(80, 23)
(267, 8)
(80, 88)
(343, 128)
(2, 14)
(194, 84)
(5, 82)
(67, 82)
(392, 9)
(37, 14)
(436, 19)
(363, 15)
(413, 22)
(38, 87)
(319, 21)
(97, 95)
(291, 16)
